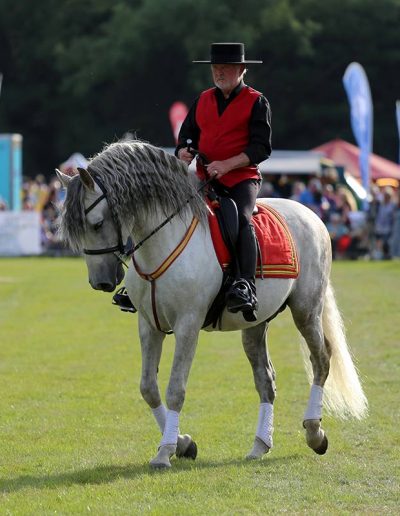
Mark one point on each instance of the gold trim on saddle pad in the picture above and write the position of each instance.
(289, 269)
(280, 270)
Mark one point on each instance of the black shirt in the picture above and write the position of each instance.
(259, 147)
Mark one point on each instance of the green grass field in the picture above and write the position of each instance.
(76, 437)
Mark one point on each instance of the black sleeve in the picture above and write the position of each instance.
(189, 130)
(259, 147)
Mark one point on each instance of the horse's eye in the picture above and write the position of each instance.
(98, 225)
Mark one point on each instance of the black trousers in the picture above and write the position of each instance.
(245, 195)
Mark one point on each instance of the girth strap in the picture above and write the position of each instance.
(166, 264)
(154, 308)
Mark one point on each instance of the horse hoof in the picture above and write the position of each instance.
(321, 449)
(191, 452)
(161, 461)
(159, 465)
(186, 448)
(254, 456)
(259, 449)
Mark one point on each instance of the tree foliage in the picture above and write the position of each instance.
(80, 73)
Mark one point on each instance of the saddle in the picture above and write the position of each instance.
(277, 255)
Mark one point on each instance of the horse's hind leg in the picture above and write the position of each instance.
(255, 346)
(309, 323)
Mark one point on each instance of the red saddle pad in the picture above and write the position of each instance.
(278, 250)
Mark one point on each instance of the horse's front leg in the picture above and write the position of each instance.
(151, 344)
(185, 346)
(255, 346)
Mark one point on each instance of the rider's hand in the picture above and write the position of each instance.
(217, 169)
(185, 155)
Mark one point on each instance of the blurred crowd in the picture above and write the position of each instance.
(46, 198)
(354, 233)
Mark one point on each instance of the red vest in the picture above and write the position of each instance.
(222, 137)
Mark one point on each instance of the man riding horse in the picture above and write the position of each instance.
(231, 125)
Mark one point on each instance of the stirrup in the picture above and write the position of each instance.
(121, 299)
(240, 298)
(250, 315)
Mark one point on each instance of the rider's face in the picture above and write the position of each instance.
(227, 76)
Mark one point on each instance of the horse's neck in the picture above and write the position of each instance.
(160, 245)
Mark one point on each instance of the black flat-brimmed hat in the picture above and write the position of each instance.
(227, 53)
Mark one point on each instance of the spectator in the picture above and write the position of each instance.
(384, 224)
(373, 206)
(298, 189)
(395, 240)
(312, 196)
(339, 233)
(344, 205)
(328, 205)
(267, 189)
(39, 192)
(284, 187)
(50, 238)
(359, 235)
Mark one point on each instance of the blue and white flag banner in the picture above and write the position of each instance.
(398, 122)
(356, 84)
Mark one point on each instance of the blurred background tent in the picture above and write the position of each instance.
(72, 163)
(346, 155)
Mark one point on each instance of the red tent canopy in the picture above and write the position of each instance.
(347, 155)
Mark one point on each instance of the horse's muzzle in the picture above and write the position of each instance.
(108, 284)
(105, 287)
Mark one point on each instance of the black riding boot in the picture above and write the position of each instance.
(242, 295)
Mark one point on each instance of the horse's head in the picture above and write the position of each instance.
(89, 224)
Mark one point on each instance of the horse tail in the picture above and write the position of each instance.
(343, 393)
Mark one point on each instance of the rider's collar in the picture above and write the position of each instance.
(234, 93)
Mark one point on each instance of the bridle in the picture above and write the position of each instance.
(120, 250)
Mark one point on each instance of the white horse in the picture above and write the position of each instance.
(129, 189)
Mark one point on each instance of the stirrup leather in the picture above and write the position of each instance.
(121, 299)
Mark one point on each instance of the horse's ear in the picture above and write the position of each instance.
(63, 178)
(86, 178)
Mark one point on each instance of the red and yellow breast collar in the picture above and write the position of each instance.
(166, 264)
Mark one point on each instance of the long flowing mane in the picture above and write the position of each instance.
(140, 179)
